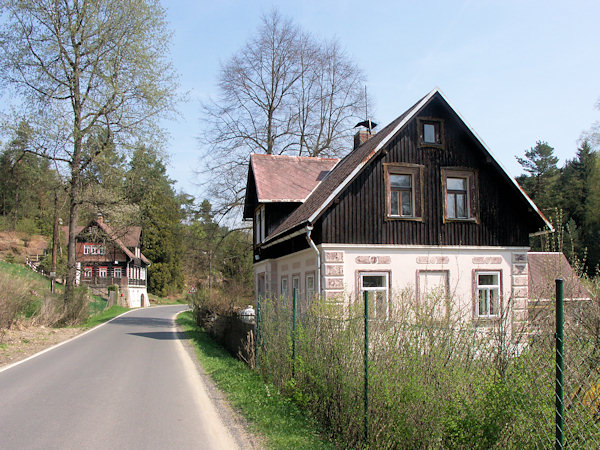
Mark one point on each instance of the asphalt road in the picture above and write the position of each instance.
(127, 384)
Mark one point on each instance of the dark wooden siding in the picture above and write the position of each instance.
(358, 215)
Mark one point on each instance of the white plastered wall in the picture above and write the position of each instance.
(342, 263)
(296, 265)
(137, 297)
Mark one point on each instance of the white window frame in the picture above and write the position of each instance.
(296, 285)
(102, 272)
(310, 291)
(385, 289)
(284, 284)
(117, 270)
(87, 249)
(488, 288)
(88, 272)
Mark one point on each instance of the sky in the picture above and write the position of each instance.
(517, 71)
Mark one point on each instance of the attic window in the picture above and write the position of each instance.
(431, 132)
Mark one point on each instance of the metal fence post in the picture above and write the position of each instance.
(294, 300)
(559, 364)
(366, 418)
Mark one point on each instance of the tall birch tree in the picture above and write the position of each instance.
(86, 68)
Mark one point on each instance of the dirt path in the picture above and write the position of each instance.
(22, 341)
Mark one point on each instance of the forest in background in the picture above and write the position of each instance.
(181, 236)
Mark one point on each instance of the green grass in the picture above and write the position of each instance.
(269, 413)
(156, 300)
(104, 316)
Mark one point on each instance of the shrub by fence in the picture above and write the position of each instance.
(434, 382)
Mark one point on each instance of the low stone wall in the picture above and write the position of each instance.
(231, 331)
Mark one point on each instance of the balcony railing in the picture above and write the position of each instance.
(96, 281)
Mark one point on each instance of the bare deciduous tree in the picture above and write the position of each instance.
(82, 66)
(284, 92)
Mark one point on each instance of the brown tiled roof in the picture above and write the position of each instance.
(125, 239)
(544, 268)
(282, 178)
(337, 176)
(349, 167)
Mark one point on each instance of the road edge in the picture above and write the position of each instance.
(237, 424)
(41, 352)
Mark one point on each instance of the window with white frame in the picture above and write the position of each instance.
(284, 287)
(310, 287)
(487, 301)
(87, 249)
(87, 272)
(259, 225)
(102, 272)
(117, 272)
(296, 286)
(377, 286)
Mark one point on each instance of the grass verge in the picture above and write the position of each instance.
(269, 413)
(104, 316)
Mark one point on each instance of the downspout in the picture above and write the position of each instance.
(309, 229)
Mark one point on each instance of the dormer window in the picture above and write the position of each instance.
(431, 132)
(259, 225)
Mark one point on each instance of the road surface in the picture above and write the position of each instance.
(127, 384)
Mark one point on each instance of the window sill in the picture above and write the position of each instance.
(486, 321)
(469, 220)
(431, 145)
(410, 219)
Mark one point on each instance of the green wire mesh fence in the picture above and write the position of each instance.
(432, 381)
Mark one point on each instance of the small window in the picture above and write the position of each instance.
(460, 195)
(87, 272)
(377, 285)
(431, 132)
(487, 301)
(117, 272)
(259, 225)
(296, 286)
(404, 195)
(310, 287)
(102, 272)
(284, 287)
(87, 249)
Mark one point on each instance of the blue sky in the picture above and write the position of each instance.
(517, 71)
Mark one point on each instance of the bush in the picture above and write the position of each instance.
(433, 382)
(15, 300)
(56, 312)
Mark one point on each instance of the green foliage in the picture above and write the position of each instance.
(432, 384)
(149, 187)
(104, 316)
(270, 414)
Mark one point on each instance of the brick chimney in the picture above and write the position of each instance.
(362, 136)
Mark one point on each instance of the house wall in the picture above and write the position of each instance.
(359, 214)
(137, 297)
(341, 265)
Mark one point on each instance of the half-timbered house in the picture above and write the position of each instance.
(420, 205)
(107, 256)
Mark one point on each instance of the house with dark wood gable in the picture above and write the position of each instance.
(107, 256)
(421, 205)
